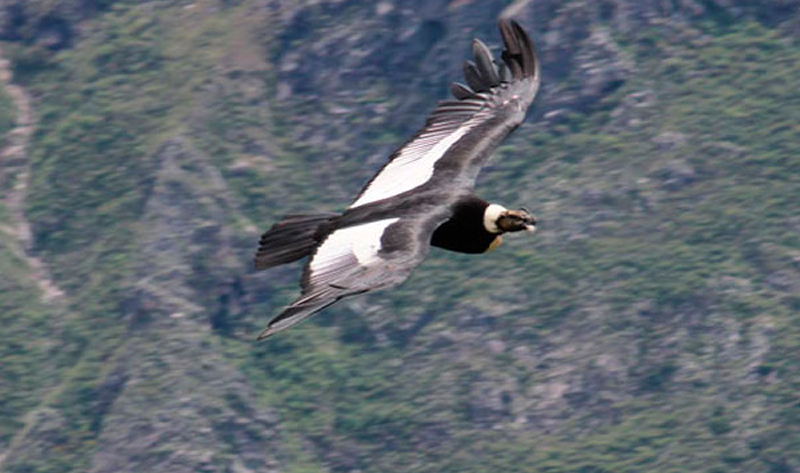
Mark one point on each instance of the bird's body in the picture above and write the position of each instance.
(422, 196)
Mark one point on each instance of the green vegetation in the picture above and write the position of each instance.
(26, 341)
(651, 325)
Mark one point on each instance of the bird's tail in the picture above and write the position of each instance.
(290, 239)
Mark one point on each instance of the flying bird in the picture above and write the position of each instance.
(422, 196)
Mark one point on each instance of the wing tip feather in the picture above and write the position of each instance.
(520, 60)
(520, 51)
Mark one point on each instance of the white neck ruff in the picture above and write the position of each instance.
(490, 216)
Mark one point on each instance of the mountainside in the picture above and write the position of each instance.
(652, 324)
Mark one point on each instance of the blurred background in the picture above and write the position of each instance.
(652, 324)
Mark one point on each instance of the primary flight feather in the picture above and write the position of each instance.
(422, 196)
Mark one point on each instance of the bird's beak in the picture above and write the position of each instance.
(530, 228)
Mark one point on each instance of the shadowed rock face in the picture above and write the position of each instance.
(52, 25)
(418, 46)
(48, 28)
(12, 19)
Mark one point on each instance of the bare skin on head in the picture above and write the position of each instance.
(498, 219)
(516, 220)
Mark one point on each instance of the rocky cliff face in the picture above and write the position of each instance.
(651, 325)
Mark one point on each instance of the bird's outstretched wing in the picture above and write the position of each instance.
(356, 259)
(459, 135)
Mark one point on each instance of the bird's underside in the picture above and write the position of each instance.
(421, 196)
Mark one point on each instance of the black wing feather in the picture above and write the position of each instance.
(485, 64)
(519, 53)
(461, 91)
(473, 76)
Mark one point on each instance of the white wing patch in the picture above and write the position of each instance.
(336, 253)
(413, 166)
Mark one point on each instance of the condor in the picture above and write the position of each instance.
(422, 196)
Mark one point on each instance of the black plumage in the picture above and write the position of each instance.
(485, 66)
(467, 219)
(422, 196)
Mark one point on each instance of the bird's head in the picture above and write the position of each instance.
(498, 219)
(516, 220)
